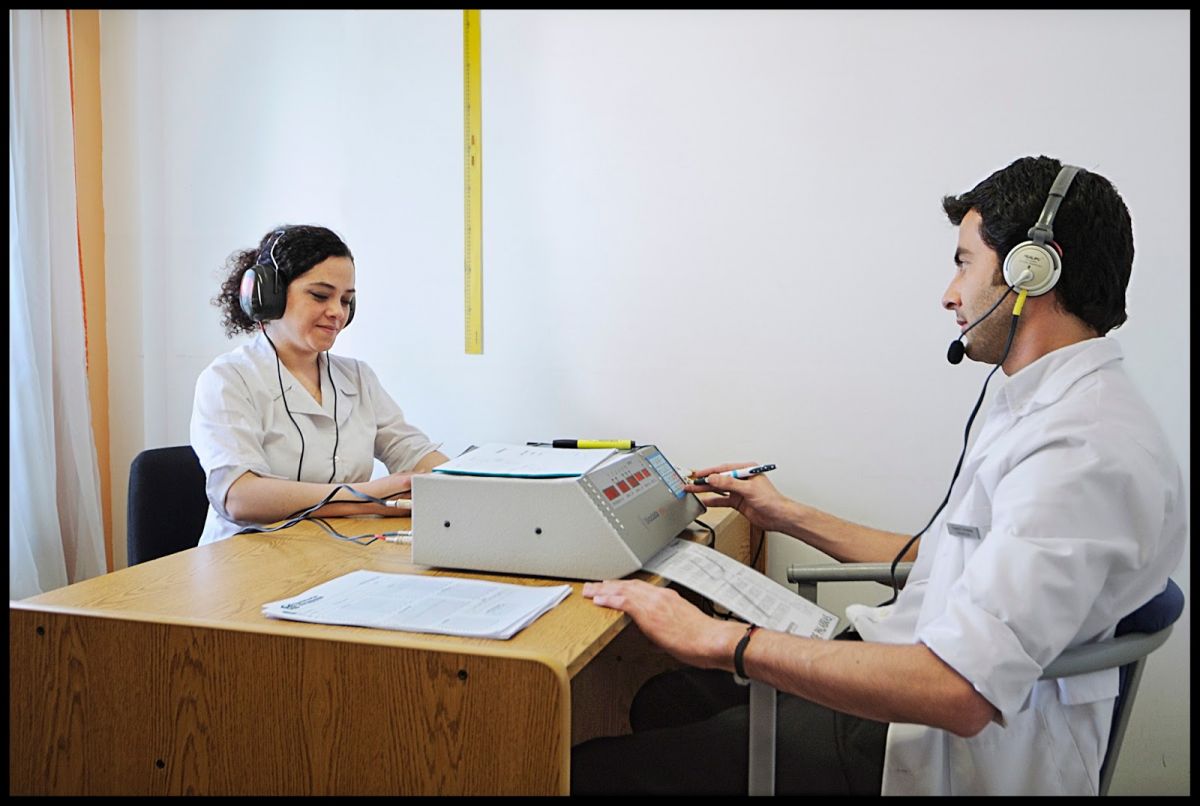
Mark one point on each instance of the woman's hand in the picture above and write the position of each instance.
(394, 486)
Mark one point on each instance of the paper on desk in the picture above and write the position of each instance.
(740, 589)
(421, 603)
(524, 461)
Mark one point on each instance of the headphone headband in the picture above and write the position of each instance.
(1043, 231)
(266, 255)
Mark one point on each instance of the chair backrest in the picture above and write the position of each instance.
(1152, 618)
(167, 503)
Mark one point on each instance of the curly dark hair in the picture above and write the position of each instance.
(297, 249)
(1092, 226)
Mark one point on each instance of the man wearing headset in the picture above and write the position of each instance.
(1069, 515)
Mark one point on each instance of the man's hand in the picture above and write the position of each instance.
(756, 498)
(670, 622)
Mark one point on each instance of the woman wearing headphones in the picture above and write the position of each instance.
(279, 422)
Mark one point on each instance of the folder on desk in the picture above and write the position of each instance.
(431, 604)
(524, 461)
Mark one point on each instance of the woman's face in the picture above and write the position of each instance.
(318, 304)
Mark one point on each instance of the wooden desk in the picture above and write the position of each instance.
(165, 678)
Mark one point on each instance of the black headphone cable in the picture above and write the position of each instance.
(1012, 330)
(283, 394)
(337, 433)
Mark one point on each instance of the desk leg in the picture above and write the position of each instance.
(603, 690)
(742, 541)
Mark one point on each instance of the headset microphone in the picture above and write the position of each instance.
(956, 352)
(957, 348)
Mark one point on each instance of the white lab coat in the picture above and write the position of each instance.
(239, 423)
(1069, 514)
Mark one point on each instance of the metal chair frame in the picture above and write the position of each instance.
(1130, 649)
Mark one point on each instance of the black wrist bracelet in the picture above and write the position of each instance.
(739, 669)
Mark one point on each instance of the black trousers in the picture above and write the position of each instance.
(691, 736)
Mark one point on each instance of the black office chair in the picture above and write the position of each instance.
(1137, 635)
(167, 503)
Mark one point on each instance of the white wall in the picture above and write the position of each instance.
(717, 231)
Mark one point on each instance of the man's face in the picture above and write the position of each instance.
(976, 286)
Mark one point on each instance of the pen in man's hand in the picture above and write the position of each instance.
(740, 473)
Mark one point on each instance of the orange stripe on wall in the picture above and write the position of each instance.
(83, 32)
(78, 237)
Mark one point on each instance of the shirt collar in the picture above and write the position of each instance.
(265, 352)
(1047, 379)
(345, 384)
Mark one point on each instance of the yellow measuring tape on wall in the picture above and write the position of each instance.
(473, 164)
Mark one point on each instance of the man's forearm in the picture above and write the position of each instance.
(883, 682)
(843, 540)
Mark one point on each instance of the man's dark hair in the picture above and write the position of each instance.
(1092, 226)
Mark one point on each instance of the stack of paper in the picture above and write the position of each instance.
(740, 589)
(420, 603)
(525, 461)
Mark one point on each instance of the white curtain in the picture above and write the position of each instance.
(55, 526)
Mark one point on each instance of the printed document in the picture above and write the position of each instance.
(740, 589)
(421, 603)
(524, 461)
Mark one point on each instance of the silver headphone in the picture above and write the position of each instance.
(1034, 265)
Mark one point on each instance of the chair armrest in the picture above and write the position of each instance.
(1106, 654)
(806, 577)
(847, 572)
